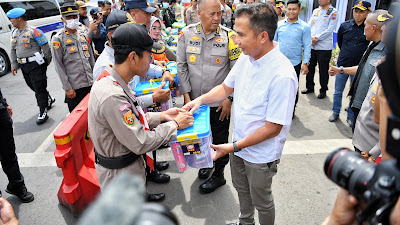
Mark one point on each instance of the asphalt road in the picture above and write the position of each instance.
(303, 194)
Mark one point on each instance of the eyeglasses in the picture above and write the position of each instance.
(156, 28)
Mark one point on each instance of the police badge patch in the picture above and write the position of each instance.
(129, 118)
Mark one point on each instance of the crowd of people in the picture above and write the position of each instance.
(225, 53)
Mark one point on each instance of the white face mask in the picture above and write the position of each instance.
(72, 24)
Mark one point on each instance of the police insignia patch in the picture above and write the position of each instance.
(83, 39)
(68, 41)
(56, 45)
(373, 100)
(193, 49)
(192, 58)
(218, 60)
(24, 40)
(333, 16)
(195, 38)
(26, 45)
(26, 33)
(180, 35)
(129, 118)
(219, 40)
(72, 49)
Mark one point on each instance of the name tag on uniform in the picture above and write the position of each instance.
(219, 45)
(195, 43)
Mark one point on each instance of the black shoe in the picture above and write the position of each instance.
(350, 121)
(321, 95)
(50, 102)
(155, 197)
(160, 166)
(333, 117)
(22, 193)
(42, 118)
(211, 184)
(204, 173)
(307, 91)
(158, 177)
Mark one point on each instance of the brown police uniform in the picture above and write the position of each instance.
(115, 127)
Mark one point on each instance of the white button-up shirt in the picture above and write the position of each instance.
(264, 90)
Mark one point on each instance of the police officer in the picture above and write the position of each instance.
(281, 9)
(119, 129)
(227, 15)
(30, 49)
(323, 22)
(206, 53)
(8, 158)
(82, 9)
(73, 55)
(191, 13)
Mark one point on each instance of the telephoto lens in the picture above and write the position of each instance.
(349, 170)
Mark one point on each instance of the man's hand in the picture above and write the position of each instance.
(10, 110)
(93, 25)
(167, 76)
(184, 120)
(7, 216)
(304, 69)
(221, 150)
(96, 53)
(160, 63)
(70, 93)
(225, 106)
(192, 105)
(344, 211)
(314, 40)
(14, 71)
(161, 95)
(333, 70)
(171, 113)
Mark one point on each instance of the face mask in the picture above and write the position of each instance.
(72, 24)
(165, 5)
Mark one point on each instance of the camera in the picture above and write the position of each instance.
(378, 186)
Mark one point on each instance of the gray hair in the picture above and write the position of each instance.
(262, 18)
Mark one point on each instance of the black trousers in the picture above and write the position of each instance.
(80, 94)
(297, 69)
(9, 160)
(220, 134)
(322, 57)
(35, 77)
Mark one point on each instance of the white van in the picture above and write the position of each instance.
(42, 14)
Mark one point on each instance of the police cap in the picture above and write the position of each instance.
(117, 18)
(278, 4)
(69, 9)
(139, 4)
(134, 36)
(81, 4)
(363, 5)
(15, 13)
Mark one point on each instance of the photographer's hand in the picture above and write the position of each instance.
(7, 216)
(344, 212)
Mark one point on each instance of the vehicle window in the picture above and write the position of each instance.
(34, 9)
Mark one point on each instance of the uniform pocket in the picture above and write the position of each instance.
(219, 54)
(192, 54)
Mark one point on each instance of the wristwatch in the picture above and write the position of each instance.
(235, 147)
(230, 98)
(341, 70)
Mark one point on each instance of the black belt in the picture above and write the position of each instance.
(117, 162)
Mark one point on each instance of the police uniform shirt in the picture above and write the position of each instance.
(323, 23)
(25, 43)
(227, 16)
(204, 60)
(73, 58)
(192, 16)
(116, 130)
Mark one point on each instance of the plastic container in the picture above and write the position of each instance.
(174, 48)
(174, 31)
(148, 87)
(178, 25)
(173, 68)
(192, 145)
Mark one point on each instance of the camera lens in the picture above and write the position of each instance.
(349, 170)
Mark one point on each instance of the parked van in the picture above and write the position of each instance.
(42, 14)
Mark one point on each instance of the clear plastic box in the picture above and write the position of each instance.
(191, 148)
(148, 87)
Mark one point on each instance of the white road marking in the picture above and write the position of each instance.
(47, 142)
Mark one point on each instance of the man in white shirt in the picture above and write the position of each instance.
(260, 125)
